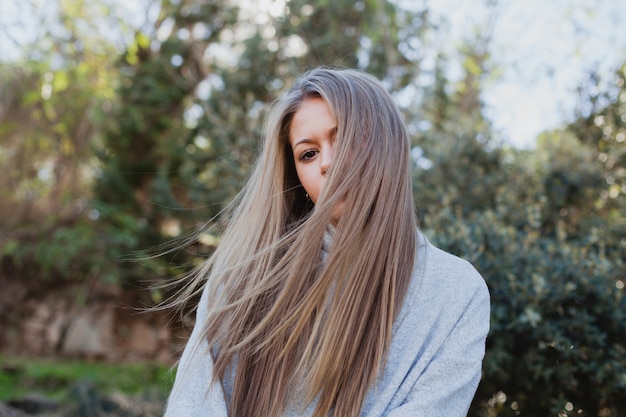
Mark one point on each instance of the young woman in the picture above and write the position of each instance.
(323, 297)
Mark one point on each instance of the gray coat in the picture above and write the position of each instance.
(434, 362)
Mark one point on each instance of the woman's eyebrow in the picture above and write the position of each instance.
(301, 141)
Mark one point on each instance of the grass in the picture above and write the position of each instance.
(55, 379)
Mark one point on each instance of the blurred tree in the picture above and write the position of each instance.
(458, 163)
(144, 157)
(51, 108)
(50, 105)
(600, 124)
(573, 181)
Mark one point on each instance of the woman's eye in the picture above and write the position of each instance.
(306, 155)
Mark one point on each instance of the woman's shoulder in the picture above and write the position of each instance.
(444, 288)
(444, 275)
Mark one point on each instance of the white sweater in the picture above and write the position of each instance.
(434, 362)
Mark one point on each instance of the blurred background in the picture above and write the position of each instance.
(126, 126)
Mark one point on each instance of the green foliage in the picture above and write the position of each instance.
(76, 251)
(558, 317)
(51, 106)
(601, 125)
(75, 384)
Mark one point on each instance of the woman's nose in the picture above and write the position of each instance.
(327, 159)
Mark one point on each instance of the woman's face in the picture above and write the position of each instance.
(312, 138)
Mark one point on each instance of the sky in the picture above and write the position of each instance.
(542, 50)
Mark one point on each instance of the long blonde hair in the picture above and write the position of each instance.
(279, 314)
